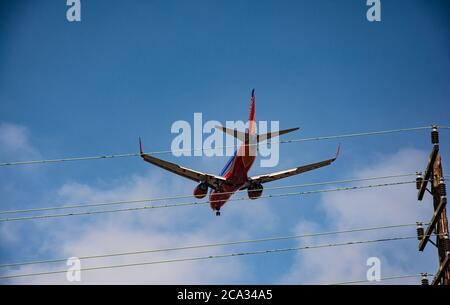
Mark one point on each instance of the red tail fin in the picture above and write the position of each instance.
(252, 107)
(251, 119)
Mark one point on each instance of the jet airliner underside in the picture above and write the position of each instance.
(234, 176)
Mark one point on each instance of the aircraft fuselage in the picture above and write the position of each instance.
(235, 173)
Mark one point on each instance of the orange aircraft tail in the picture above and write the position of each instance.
(244, 136)
(251, 119)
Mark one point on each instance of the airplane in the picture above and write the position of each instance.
(234, 176)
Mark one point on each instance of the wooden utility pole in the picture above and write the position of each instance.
(442, 240)
(439, 221)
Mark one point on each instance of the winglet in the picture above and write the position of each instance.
(140, 147)
(337, 152)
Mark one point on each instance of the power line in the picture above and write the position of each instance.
(196, 203)
(319, 138)
(394, 277)
(200, 258)
(353, 135)
(120, 202)
(189, 247)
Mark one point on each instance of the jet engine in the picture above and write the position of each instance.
(255, 191)
(201, 190)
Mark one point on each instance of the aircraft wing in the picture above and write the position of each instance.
(290, 172)
(213, 181)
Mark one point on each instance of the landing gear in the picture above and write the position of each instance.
(217, 213)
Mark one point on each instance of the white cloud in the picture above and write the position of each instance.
(16, 145)
(380, 206)
(112, 238)
(15, 142)
(159, 228)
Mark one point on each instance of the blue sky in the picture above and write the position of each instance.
(132, 68)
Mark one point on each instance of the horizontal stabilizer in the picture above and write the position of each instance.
(269, 135)
(233, 132)
(242, 136)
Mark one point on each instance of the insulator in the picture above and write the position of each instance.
(419, 180)
(420, 231)
(446, 244)
(434, 135)
(425, 280)
(442, 188)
